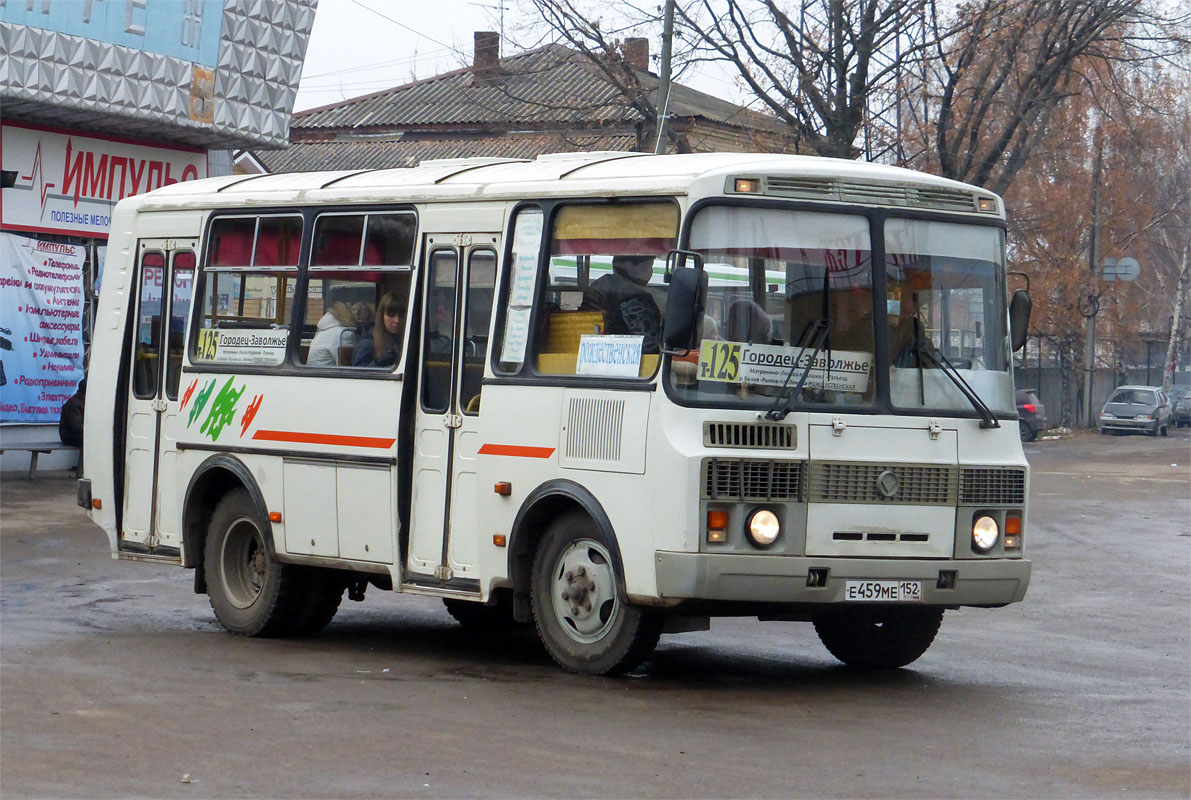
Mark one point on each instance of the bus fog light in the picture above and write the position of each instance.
(984, 533)
(763, 527)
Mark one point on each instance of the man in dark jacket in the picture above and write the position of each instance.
(70, 424)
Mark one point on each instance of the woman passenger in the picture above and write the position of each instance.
(383, 348)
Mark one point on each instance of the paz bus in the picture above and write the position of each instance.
(609, 394)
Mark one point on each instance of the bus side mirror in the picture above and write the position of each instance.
(684, 303)
(1019, 318)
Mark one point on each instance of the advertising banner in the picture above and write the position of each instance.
(68, 184)
(41, 327)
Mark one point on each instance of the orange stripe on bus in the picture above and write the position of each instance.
(324, 438)
(516, 450)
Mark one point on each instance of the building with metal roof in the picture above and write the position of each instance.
(551, 99)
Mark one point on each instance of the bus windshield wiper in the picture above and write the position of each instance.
(819, 331)
(987, 420)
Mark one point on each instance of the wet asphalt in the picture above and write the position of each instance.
(116, 681)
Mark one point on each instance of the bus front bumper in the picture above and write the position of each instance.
(794, 579)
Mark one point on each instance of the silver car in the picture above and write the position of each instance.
(1136, 408)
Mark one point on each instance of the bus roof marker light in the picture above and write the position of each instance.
(748, 185)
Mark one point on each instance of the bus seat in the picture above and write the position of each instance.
(345, 355)
(566, 327)
(303, 352)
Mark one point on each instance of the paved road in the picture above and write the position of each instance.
(116, 682)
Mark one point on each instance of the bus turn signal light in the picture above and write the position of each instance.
(499, 539)
(717, 526)
(97, 504)
(503, 488)
(274, 516)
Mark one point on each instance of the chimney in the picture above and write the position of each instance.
(486, 63)
(636, 52)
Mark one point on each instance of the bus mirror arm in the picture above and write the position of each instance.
(684, 302)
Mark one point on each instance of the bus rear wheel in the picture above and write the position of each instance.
(251, 593)
(878, 637)
(583, 620)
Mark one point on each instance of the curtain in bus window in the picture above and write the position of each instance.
(148, 352)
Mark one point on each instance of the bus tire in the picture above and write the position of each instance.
(584, 622)
(318, 600)
(878, 637)
(251, 592)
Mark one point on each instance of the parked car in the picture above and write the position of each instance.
(1031, 415)
(1180, 405)
(1136, 408)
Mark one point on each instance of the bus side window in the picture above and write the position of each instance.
(359, 268)
(181, 294)
(248, 287)
(521, 276)
(481, 281)
(147, 358)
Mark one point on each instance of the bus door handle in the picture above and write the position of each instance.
(452, 421)
(158, 404)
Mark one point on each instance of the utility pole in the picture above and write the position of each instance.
(1094, 297)
(664, 87)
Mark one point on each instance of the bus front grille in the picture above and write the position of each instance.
(760, 435)
(752, 479)
(836, 482)
(990, 486)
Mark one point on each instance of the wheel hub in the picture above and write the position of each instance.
(584, 591)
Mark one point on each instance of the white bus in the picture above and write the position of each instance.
(610, 394)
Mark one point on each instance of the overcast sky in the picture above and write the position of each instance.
(362, 46)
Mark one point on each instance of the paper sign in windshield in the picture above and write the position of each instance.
(769, 365)
(618, 356)
(242, 346)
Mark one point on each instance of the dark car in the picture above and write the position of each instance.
(1136, 408)
(1180, 402)
(1031, 415)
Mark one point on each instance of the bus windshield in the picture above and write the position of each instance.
(791, 318)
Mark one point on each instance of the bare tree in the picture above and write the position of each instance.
(818, 65)
(1004, 66)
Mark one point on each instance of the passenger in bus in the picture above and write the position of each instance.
(383, 348)
(748, 322)
(364, 315)
(335, 329)
(628, 306)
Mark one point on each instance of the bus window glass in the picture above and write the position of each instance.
(231, 241)
(181, 293)
(147, 358)
(782, 285)
(522, 277)
(601, 308)
(439, 340)
(278, 242)
(359, 263)
(389, 240)
(481, 281)
(945, 307)
(337, 240)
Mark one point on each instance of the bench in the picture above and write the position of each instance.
(35, 449)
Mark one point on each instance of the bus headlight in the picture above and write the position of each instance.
(763, 527)
(984, 533)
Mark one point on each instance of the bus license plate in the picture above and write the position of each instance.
(882, 591)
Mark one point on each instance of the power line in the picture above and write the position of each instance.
(408, 28)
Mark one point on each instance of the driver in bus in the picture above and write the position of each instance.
(628, 306)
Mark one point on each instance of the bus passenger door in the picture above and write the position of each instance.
(164, 288)
(457, 306)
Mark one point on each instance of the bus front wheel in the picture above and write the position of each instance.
(581, 616)
(878, 637)
(251, 593)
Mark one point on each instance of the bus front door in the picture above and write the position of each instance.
(164, 287)
(457, 310)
